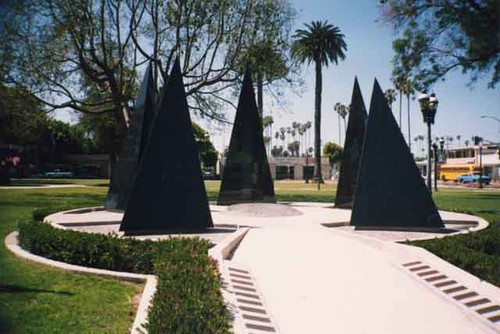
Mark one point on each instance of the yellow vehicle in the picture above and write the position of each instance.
(449, 172)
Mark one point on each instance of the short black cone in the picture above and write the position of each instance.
(352, 150)
(246, 177)
(390, 192)
(169, 193)
(125, 170)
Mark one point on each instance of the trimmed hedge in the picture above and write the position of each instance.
(477, 253)
(86, 249)
(188, 297)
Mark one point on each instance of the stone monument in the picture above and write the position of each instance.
(390, 193)
(169, 193)
(352, 150)
(246, 177)
(140, 120)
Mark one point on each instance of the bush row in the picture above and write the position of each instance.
(188, 298)
(478, 253)
(86, 249)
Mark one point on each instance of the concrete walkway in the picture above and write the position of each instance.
(318, 280)
(315, 279)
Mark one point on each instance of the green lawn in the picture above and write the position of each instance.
(38, 299)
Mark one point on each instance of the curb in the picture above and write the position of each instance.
(12, 245)
(221, 252)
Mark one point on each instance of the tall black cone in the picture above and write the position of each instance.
(352, 150)
(140, 119)
(390, 192)
(169, 192)
(246, 177)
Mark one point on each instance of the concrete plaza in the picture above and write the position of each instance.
(314, 274)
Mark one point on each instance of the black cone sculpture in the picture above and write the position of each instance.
(390, 193)
(125, 170)
(169, 192)
(246, 177)
(352, 150)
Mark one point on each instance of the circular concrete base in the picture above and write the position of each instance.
(265, 215)
(264, 210)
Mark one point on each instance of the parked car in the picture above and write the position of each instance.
(474, 177)
(58, 174)
(208, 174)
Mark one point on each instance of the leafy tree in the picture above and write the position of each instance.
(294, 148)
(22, 118)
(104, 130)
(267, 64)
(59, 48)
(320, 43)
(437, 36)
(208, 153)
(277, 151)
(333, 152)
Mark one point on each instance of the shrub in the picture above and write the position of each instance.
(86, 249)
(188, 297)
(40, 213)
(478, 253)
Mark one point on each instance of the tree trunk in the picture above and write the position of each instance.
(260, 103)
(317, 124)
(409, 134)
(345, 126)
(340, 131)
(400, 106)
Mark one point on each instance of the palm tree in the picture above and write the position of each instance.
(450, 140)
(342, 110)
(267, 124)
(390, 96)
(406, 87)
(399, 84)
(337, 106)
(320, 43)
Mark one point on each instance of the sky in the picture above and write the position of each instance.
(369, 56)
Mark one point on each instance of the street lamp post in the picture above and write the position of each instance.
(435, 150)
(481, 164)
(479, 141)
(492, 117)
(441, 146)
(428, 106)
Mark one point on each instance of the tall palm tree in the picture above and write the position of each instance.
(342, 110)
(321, 43)
(406, 87)
(267, 124)
(390, 96)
